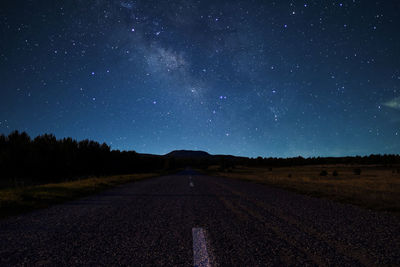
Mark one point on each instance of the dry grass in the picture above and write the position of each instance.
(17, 200)
(377, 187)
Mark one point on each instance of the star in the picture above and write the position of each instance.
(275, 74)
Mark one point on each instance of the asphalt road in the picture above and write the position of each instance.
(153, 222)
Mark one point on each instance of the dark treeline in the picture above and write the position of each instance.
(298, 161)
(46, 159)
(228, 162)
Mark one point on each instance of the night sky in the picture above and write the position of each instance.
(250, 78)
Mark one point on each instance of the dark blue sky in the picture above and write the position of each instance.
(268, 78)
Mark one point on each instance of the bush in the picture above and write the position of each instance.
(335, 173)
(357, 171)
(323, 173)
(289, 175)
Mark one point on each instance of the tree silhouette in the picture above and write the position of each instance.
(46, 159)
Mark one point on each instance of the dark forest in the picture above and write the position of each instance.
(46, 159)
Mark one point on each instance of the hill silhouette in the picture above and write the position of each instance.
(45, 159)
(193, 154)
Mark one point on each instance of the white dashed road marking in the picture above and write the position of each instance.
(191, 184)
(200, 254)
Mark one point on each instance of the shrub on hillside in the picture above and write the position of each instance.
(323, 173)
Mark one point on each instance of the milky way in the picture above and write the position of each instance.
(268, 78)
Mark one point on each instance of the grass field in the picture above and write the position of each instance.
(17, 200)
(376, 187)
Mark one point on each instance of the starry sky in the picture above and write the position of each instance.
(249, 78)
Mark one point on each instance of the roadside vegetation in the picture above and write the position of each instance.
(374, 187)
(45, 159)
(37, 172)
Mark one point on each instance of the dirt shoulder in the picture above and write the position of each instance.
(14, 201)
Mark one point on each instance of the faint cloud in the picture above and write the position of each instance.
(167, 60)
(172, 67)
(127, 4)
(394, 103)
(162, 62)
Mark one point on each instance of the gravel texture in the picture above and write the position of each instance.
(150, 222)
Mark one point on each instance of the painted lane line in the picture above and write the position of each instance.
(200, 254)
(191, 184)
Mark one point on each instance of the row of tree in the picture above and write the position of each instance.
(46, 159)
(386, 159)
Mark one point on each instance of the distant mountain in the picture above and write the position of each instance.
(188, 154)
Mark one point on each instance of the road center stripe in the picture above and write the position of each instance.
(200, 254)
(191, 184)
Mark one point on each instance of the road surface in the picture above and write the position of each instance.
(190, 219)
